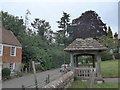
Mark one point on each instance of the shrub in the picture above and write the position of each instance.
(19, 74)
(6, 73)
(106, 56)
(39, 67)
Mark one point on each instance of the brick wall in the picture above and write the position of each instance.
(6, 58)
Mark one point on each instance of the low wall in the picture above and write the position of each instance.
(63, 82)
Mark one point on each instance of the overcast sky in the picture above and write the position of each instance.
(52, 11)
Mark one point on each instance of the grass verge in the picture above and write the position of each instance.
(80, 84)
(109, 68)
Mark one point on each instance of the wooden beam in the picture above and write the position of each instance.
(74, 58)
(72, 61)
(93, 56)
(76, 61)
(99, 66)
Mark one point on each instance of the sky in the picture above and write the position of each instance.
(52, 11)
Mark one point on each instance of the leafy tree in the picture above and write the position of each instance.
(110, 34)
(10, 22)
(34, 47)
(27, 19)
(48, 36)
(110, 43)
(41, 25)
(89, 24)
(63, 24)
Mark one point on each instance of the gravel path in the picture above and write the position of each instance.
(28, 80)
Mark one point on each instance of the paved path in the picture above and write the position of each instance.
(28, 80)
(112, 80)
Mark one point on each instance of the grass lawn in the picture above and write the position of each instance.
(80, 84)
(109, 68)
(106, 85)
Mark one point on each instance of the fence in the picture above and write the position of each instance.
(84, 73)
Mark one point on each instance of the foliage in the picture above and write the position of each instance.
(110, 34)
(107, 41)
(10, 22)
(35, 47)
(59, 56)
(86, 58)
(111, 44)
(106, 55)
(89, 24)
(41, 25)
(64, 23)
(6, 72)
(19, 74)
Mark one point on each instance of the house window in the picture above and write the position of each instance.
(1, 50)
(12, 66)
(13, 51)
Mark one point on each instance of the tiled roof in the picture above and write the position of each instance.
(85, 44)
(7, 37)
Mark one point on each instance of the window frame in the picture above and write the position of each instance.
(12, 66)
(1, 54)
(11, 51)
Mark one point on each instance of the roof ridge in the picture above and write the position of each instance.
(85, 44)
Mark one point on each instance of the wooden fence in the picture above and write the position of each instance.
(84, 73)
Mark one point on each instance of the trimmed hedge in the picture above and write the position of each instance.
(6, 73)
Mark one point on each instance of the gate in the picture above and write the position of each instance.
(85, 73)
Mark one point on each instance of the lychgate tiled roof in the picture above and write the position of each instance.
(85, 44)
(7, 37)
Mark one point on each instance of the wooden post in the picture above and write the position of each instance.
(48, 78)
(72, 61)
(93, 61)
(29, 66)
(76, 61)
(99, 66)
(33, 65)
(91, 79)
(23, 87)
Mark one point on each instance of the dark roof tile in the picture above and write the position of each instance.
(85, 44)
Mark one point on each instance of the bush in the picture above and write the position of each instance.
(39, 68)
(106, 56)
(6, 73)
(19, 74)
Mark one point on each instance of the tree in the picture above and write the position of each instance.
(27, 19)
(89, 24)
(27, 23)
(110, 34)
(64, 23)
(110, 43)
(34, 47)
(42, 26)
(10, 22)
